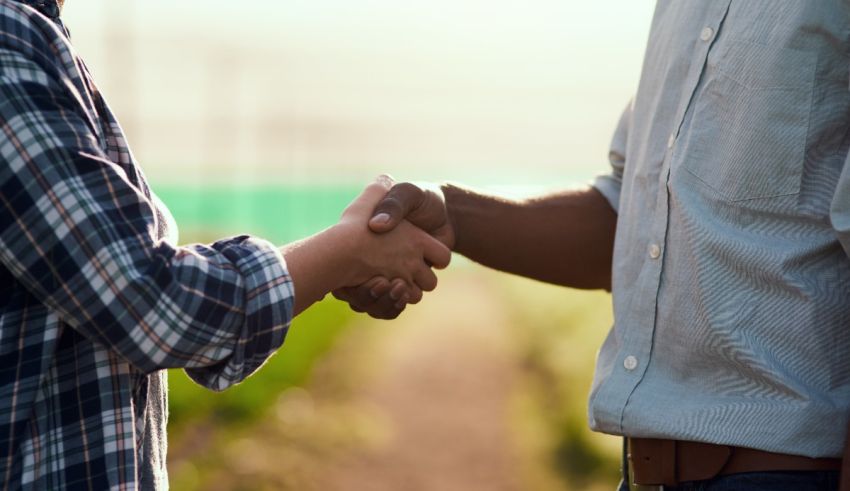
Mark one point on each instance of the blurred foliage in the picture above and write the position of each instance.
(310, 336)
(276, 431)
(558, 332)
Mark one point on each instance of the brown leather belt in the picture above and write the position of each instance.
(656, 462)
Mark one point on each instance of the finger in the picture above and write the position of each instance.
(415, 295)
(389, 314)
(361, 298)
(355, 300)
(373, 298)
(407, 294)
(386, 308)
(371, 195)
(431, 214)
(345, 294)
(399, 202)
(436, 253)
(378, 286)
(425, 278)
(400, 293)
(399, 288)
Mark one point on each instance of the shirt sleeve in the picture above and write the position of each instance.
(82, 239)
(609, 184)
(839, 213)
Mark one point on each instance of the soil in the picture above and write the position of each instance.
(444, 392)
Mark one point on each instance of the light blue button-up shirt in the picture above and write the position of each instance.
(731, 277)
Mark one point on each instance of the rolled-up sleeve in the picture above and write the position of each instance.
(609, 183)
(82, 238)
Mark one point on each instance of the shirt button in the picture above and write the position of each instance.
(654, 251)
(671, 141)
(630, 363)
(706, 33)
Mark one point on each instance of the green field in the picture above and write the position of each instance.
(235, 439)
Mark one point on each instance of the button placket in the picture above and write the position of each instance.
(637, 343)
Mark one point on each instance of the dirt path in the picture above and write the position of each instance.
(444, 391)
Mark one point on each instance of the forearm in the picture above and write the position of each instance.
(565, 238)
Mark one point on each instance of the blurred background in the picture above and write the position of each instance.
(265, 117)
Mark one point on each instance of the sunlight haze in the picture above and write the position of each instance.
(510, 92)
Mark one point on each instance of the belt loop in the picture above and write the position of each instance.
(629, 472)
(643, 487)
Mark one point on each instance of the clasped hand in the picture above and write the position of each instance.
(403, 252)
(392, 209)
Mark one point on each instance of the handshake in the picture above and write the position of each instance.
(380, 256)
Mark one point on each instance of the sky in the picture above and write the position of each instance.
(499, 92)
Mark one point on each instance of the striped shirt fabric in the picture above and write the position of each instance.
(731, 278)
(95, 297)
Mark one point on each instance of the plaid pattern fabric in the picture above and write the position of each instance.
(95, 299)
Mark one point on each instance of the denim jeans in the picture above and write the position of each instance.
(761, 481)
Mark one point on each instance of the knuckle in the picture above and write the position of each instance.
(406, 188)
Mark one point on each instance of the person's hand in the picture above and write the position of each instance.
(425, 208)
(380, 297)
(349, 254)
(404, 252)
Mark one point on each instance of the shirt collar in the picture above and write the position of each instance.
(50, 8)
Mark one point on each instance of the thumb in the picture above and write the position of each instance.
(369, 197)
(398, 203)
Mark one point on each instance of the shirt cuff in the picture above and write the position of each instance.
(269, 303)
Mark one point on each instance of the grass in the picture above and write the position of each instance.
(310, 336)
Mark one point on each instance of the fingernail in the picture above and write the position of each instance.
(374, 293)
(400, 305)
(394, 295)
(381, 218)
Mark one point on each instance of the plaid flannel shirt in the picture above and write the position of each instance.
(95, 300)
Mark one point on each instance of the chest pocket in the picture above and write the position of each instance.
(750, 119)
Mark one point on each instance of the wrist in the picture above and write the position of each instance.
(453, 196)
(317, 265)
(340, 243)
